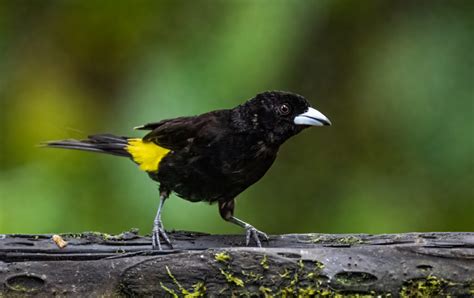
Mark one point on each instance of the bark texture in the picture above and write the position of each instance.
(96, 264)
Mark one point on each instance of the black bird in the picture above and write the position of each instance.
(212, 157)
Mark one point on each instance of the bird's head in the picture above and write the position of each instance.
(283, 114)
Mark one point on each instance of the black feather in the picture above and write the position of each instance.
(102, 143)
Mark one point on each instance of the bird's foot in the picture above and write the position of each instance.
(159, 232)
(253, 233)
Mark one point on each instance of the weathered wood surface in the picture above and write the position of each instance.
(94, 264)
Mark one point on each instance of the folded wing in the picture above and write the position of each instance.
(177, 133)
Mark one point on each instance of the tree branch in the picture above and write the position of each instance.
(209, 265)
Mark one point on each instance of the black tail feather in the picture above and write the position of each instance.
(102, 143)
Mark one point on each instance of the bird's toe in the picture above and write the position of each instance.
(159, 234)
(255, 234)
(155, 239)
(165, 237)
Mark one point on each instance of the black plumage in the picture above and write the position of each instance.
(215, 156)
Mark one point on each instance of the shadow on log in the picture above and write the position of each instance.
(96, 264)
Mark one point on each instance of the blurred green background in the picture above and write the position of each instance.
(395, 77)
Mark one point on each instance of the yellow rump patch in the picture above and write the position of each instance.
(146, 154)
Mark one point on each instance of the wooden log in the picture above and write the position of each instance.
(96, 264)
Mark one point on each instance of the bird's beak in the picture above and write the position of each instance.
(312, 117)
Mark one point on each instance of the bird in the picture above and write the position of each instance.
(212, 157)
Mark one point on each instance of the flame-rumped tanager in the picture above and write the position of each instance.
(211, 157)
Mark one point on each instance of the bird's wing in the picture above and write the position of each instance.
(177, 133)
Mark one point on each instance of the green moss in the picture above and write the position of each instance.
(264, 262)
(292, 288)
(317, 239)
(325, 292)
(319, 265)
(232, 279)
(71, 235)
(301, 264)
(252, 276)
(266, 292)
(357, 295)
(307, 292)
(354, 278)
(103, 236)
(350, 240)
(295, 279)
(169, 291)
(286, 292)
(20, 288)
(310, 275)
(99, 235)
(199, 289)
(285, 274)
(423, 287)
(222, 257)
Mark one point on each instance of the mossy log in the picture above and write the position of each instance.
(96, 264)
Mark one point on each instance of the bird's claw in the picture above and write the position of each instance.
(159, 232)
(253, 233)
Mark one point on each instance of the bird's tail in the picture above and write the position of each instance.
(102, 143)
(147, 155)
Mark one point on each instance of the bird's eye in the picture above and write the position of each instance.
(284, 109)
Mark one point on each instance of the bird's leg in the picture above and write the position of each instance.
(158, 229)
(226, 209)
(251, 231)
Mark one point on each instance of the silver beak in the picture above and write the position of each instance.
(312, 117)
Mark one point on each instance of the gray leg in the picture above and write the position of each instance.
(251, 231)
(158, 229)
(226, 210)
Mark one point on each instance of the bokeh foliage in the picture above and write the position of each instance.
(395, 78)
